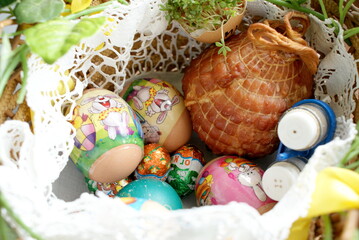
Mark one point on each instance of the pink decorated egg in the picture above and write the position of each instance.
(230, 178)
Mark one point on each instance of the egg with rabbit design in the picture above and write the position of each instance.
(109, 138)
(165, 119)
(231, 178)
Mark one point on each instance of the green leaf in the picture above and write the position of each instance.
(9, 61)
(220, 51)
(218, 44)
(53, 39)
(4, 3)
(25, 70)
(5, 205)
(35, 11)
(5, 53)
(6, 232)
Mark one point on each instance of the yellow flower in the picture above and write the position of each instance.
(147, 158)
(154, 170)
(68, 8)
(336, 190)
(79, 5)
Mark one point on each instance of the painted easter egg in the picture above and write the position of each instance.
(109, 138)
(142, 204)
(230, 178)
(155, 190)
(165, 119)
(186, 163)
(155, 163)
(110, 189)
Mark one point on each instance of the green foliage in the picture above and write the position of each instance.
(51, 35)
(6, 232)
(201, 14)
(342, 9)
(53, 39)
(4, 3)
(5, 53)
(8, 60)
(35, 11)
(350, 160)
(223, 49)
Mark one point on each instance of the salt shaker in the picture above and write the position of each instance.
(280, 176)
(301, 129)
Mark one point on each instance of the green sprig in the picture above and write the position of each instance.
(351, 32)
(328, 229)
(4, 204)
(352, 153)
(223, 49)
(206, 15)
(25, 70)
(201, 14)
(324, 10)
(343, 10)
(94, 9)
(293, 4)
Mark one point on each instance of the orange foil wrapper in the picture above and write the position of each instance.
(155, 164)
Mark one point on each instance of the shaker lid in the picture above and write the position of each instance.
(299, 129)
(278, 179)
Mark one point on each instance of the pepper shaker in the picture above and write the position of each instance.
(301, 129)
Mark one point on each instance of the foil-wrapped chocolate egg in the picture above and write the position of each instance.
(110, 189)
(165, 119)
(155, 164)
(186, 163)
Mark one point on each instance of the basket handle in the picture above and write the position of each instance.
(267, 36)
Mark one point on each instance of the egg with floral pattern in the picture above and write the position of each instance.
(155, 163)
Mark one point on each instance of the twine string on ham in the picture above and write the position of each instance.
(265, 36)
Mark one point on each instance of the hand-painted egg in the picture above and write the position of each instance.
(186, 163)
(142, 204)
(155, 190)
(109, 137)
(230, 178)
(155, 164)
(165, 119)
(110, 189)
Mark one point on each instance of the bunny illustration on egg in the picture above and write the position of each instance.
(166, 120)
(250, 177)
(109, 137)
(231, 178)
(111, 116)
(154, 101)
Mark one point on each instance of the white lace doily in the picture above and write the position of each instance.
(137, 40)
